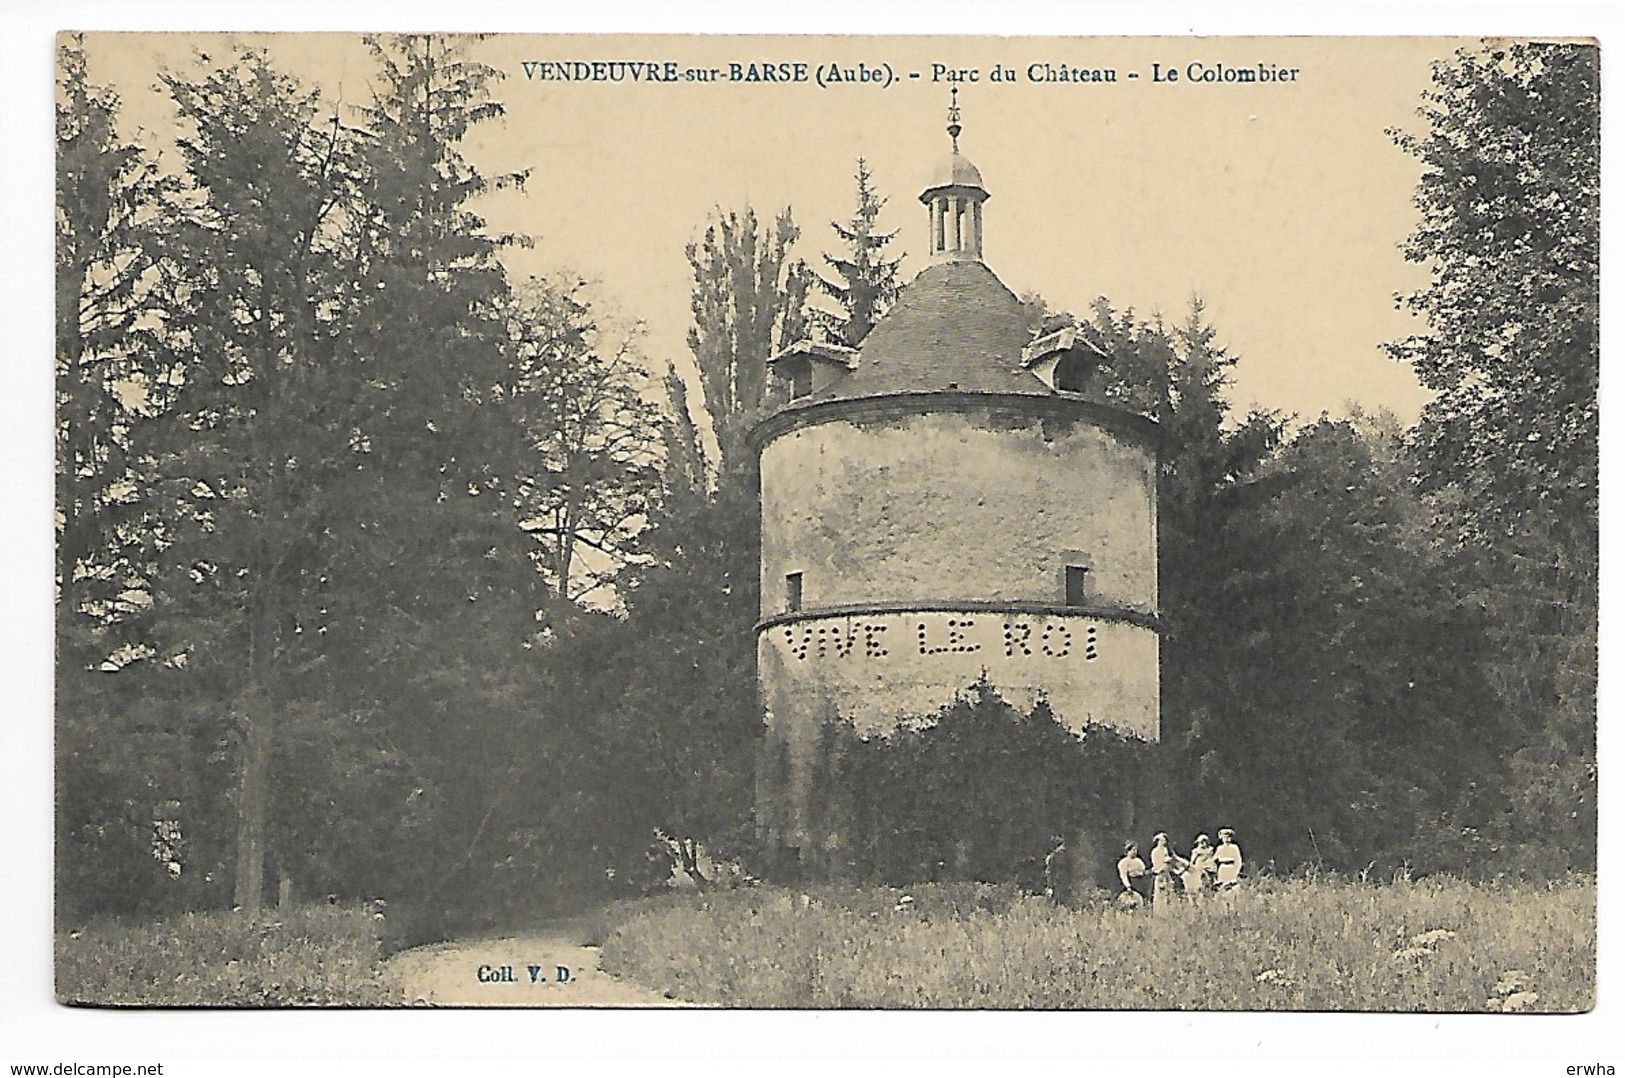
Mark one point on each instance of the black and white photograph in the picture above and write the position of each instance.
(826, 523)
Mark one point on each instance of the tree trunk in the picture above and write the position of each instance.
(253, 797)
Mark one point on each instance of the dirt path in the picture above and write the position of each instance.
(516, 971)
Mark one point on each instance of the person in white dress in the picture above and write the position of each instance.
(1164, 863)
(1227, 861)
(1130, 869)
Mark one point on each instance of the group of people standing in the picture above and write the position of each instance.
(1208, 866)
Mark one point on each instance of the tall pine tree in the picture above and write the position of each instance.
(342, 312)
(256, 443)
(111, 365)
(118, 758)
(866, 282)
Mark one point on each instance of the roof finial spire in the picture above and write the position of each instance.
(953, 116)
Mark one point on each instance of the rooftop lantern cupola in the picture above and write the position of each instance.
(954, 200)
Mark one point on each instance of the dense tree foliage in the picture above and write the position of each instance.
(1509, 201)
(111, 372)
(252, 457)
(1507, 450)
(690, 698)
(1325, 662)
(1339, 671)
(686, 708)
(110, 360)
(342, 334)
(358, 433)
(380, 574)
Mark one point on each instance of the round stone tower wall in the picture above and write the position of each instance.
(912, 544)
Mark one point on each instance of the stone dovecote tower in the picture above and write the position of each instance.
(949, 500)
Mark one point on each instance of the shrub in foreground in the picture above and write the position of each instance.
(312, 957)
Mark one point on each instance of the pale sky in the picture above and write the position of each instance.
(1281, 203)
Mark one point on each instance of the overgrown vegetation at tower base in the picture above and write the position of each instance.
(1438, 944)
(979, 790)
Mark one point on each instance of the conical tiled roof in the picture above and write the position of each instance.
(955, 327)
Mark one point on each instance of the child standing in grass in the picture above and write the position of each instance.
(1199, 867)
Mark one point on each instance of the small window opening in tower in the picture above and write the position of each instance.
(1077, 585)
(792, 592)
(942, 223)
(800, 378)
(1073, 372)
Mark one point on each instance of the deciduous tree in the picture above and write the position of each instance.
(748, 299)
(595, 470)
(1509, 200)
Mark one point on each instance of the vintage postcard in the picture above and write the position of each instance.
(997, 523)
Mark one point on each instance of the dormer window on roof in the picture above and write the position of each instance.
(808, 366)
(1065, 360)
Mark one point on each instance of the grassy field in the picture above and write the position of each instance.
(1431, 945)
(313, 957)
